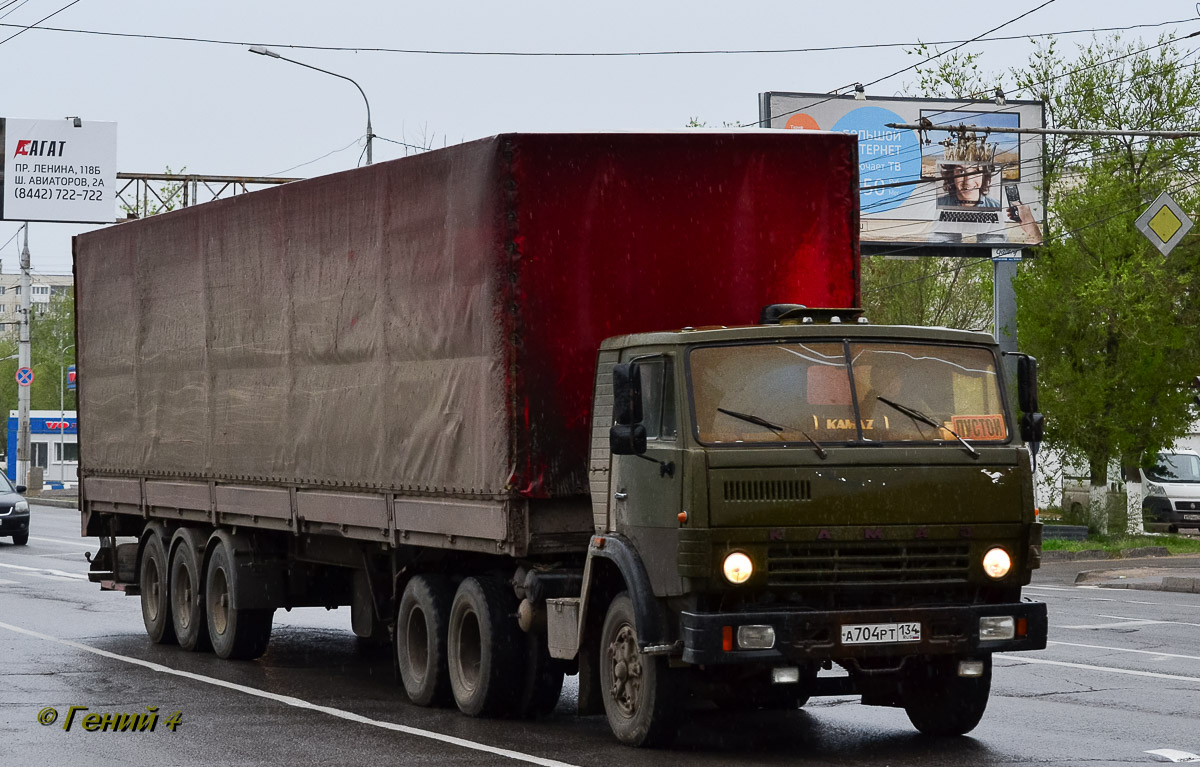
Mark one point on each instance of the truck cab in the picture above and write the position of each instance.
(820, 492)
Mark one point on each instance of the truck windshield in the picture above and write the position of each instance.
(1175, 467)
(845, 392)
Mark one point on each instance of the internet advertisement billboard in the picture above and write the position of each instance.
(58, 170)
(933, 186)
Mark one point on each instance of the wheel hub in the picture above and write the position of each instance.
(626, 671)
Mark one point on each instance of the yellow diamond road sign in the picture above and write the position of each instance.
(1164, 223)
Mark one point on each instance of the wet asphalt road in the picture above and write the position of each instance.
(1120, 678)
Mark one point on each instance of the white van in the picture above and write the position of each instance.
(1171, 490)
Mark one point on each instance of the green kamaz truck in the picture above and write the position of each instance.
(546, 404)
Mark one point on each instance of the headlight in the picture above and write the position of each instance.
(21, 506)
(997, 563)
(738, 568)
(1158, 490)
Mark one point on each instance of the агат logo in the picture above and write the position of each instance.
(35, 148)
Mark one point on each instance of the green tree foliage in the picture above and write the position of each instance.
(52, 342)
(1112, 321)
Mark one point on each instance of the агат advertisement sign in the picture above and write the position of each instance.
(58, 170)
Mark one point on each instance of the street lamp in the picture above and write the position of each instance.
(62, 414)
(262, 50)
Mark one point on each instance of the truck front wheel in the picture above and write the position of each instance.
(236, 633)
(152, 580)
(485, 648)
(940, 702)
(421, 628)
(638, 690)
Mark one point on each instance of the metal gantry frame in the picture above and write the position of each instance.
(144, 194)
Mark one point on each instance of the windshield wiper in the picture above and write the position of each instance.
(821, 452)
(917, 415)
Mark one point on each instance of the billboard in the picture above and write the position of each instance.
(58, 170)
(934, 186)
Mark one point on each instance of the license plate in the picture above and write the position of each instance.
(1191, 517)
(881, 633)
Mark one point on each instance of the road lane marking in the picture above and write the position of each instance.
(1123, 618)
(1124, 649)
(1172, 755)
(296, 702)
(9, 583)
(1086, 667)
(60, 573)
(64, 542)
(1124, 623)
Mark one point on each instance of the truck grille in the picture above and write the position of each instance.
(867, 564)
(766, 490)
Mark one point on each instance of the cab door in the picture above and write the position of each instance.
(648, 494)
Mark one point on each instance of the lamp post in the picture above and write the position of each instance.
(62, 413)
(262, 50)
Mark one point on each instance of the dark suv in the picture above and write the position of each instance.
(14, 512)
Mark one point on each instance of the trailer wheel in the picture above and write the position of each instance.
(638, 690)
(152, 577)
(421, 628)
(486, 653)
(543, 679)
(186, 589)
(236, 633)
(940, 702)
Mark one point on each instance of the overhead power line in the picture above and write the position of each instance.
(597, 54)
(26, 28)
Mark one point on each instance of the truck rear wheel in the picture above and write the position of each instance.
(421, 629)
(236, 633)
(153, 580)
(486, 653)
(940, 702)
(187, 579)
(638, 690)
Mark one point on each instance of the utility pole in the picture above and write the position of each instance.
(23, 361)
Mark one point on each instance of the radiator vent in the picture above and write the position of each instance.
(767, 491)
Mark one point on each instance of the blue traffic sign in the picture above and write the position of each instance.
(24, 376)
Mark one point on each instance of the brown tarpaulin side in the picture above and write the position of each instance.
(336, 331)
(431, 323)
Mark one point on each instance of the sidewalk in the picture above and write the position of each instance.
(1142, 569)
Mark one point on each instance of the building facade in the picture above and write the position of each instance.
(53, 445)
(42, 288)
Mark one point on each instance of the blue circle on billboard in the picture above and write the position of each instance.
(885, 156)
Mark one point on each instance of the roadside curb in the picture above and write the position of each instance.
(61, 503)
(1088, 555)
(1172, 583)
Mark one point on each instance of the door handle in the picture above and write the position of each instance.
(620, 496)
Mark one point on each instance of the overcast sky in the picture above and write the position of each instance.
(217, 109)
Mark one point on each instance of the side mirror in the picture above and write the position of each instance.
(1027, 384)
(21, 489)
(627, 394)
(627, 439)
(1033, 427)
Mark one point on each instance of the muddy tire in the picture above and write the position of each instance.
(153, 579)
(235, 633)
(422, 624)
(543, 679)
(186, 589)
(940, 702)
(485, 648)
(639, 691)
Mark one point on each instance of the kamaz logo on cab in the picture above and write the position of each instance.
(35, 148)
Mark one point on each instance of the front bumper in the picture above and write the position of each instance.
(802, 636)
(1179, 512)
(14, 522)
